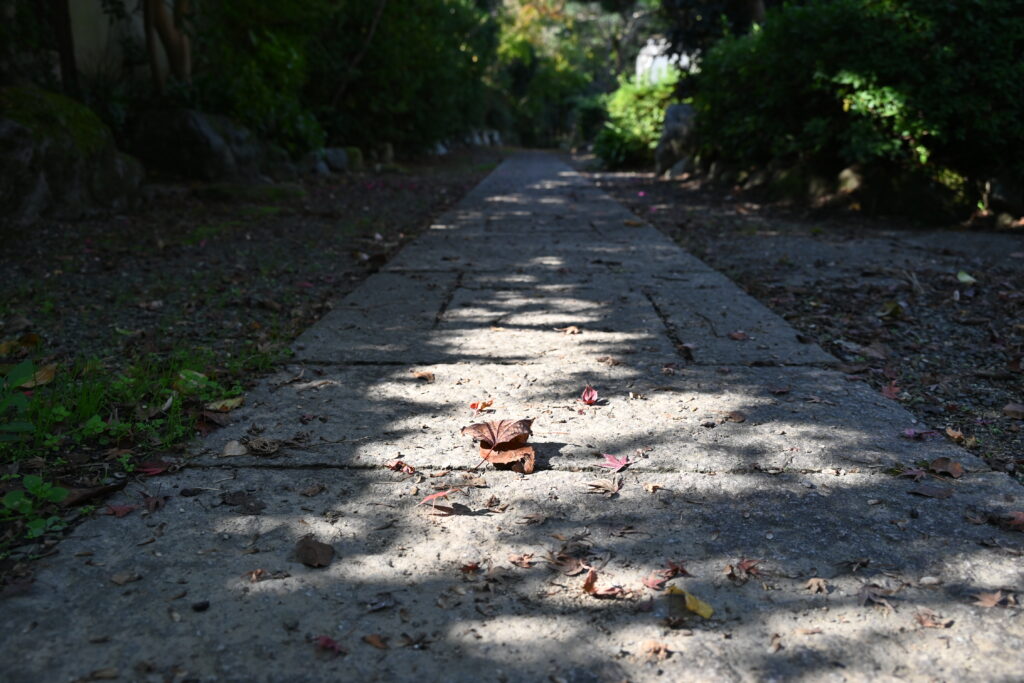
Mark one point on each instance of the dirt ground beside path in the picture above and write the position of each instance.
(211, 280)
(933, 318)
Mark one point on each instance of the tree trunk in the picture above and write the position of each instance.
(169, 31)
(60, 22)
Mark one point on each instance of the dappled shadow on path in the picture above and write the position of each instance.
(791, 465)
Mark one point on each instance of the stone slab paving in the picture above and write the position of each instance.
(743, 449)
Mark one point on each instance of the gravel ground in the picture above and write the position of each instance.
(931, 317)
(214, 265)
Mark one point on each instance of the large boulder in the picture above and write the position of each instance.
(57, 156)
(675, 136)
(190, 144)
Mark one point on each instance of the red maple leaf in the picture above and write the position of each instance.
(153, 467)
(121, 510)
(399, 466)
(674, 569)
(892, 391)
(590, 587)
(1014, 520)
(480, 406)
(439, 494)
(589, 395)
(328, 644)
(750, 566)
(615, 464)
(656, 581)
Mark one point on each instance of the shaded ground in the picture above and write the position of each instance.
(208, 279)
(882, 295)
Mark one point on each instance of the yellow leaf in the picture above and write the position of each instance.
(693, 603)
(43, 375)
(225, 405)
(698, 606)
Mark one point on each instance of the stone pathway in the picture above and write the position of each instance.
(746, 447)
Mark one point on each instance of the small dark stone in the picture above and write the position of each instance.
(201, 606)
(188, 493)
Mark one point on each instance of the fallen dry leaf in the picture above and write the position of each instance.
(929, 491)
(929, 619)
(693, 603)
(154, 503)
(399, 466)
(609, 361)
(43, 375)
(651, 487)
(498, 432)
(817, 585)
(615, 464)
(424, 375)
(329, 645)
(954, 434)
(589, 395)
(914, 473)
(590, 587)
(606, 487)
(234, 448)
(503, 443)
(873, 594)
(480, 406)
(316, 384)
(892, 391)
(652, 649)
(436, 496)
(1014, 410)
(735, 416)
(655, 581)
(739, 335)
(376, 640)
(571, 329)
(122, 578)
(1011, 521)
(312, 552)
(313, 490)
(151, 468)
(225, 405)
(947, 466)
(742, 571)
(525, 560)
(989, 599)
(121, 510)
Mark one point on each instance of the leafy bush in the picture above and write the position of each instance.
(253, 67)
(635, 114)
(915, 85)
(418, 80)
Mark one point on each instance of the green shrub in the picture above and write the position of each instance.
(915, 85)
(635, 114)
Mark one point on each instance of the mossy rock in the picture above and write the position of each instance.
(52, 117)
(355, 158)
(57, 157)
